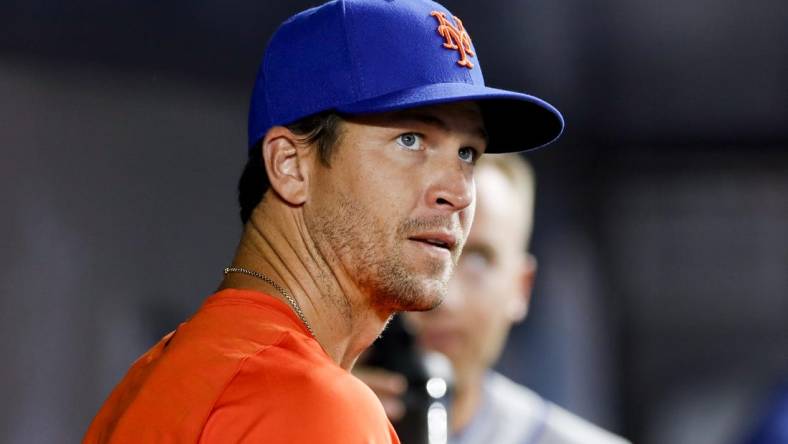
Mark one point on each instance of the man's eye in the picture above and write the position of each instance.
(474, 261)
(467, 154)
(410, 141)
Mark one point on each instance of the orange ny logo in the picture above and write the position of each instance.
(455, 37)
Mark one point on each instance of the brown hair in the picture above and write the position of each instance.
(320, 130)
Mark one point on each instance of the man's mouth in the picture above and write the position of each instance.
(442, 240)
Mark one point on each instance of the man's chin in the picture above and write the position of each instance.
(413, 295)
(432, 293)
(421, 305)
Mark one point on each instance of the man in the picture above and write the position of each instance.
(366, 120)
(489, 292)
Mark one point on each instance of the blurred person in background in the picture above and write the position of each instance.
(489, 292)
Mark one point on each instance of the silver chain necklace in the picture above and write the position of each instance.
(279, 288)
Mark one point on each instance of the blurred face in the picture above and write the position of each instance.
(394, 208)
(490, 288)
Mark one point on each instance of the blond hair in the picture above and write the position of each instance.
(521, 177)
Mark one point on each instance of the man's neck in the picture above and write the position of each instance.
(276, 243)
(467, 398)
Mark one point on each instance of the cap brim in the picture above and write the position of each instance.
(514, 121)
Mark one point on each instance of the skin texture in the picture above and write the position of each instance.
(488, 293)
(349, 240)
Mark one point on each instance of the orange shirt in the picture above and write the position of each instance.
(242, 369)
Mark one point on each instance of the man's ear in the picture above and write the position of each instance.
(525, 281)
(286, 166)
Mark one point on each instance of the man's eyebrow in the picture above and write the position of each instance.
(482, 248)
(433, 120)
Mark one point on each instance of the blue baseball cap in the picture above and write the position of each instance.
(371, 56)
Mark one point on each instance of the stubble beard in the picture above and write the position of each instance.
(359, 243)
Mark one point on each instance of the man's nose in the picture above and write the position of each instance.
(452, 188)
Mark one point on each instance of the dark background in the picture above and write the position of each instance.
(661, 309)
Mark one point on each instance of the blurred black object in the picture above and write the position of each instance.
(429, 376)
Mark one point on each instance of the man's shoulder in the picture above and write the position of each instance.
(279, 384)
(552, 423)
(511, 395)
(294, 374)
(277, 365)
(174, 385)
